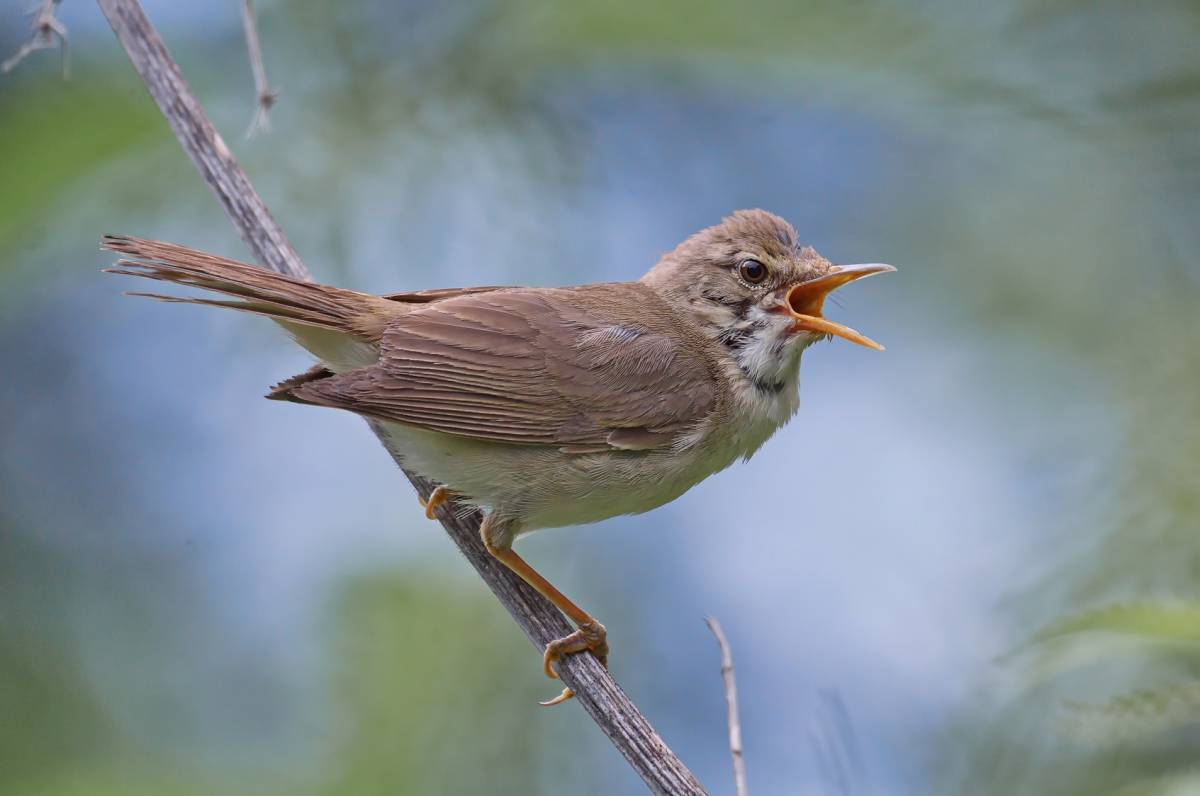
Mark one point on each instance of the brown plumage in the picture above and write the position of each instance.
(576, 368)
(554, 406)
(581, 368)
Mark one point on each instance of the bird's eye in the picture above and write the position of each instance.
(752, 271)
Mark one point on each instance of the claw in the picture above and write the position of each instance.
(591, 636)
(437, 498)
(558, 700)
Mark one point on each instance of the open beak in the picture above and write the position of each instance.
(804, 302)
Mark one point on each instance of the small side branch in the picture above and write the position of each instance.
(47, 29)
(264, 95)
(735, 725)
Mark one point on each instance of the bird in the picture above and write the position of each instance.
(550, 407)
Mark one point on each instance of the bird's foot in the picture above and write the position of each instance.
(437, 498)
(591, 636)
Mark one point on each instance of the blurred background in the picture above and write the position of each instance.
(970, 565)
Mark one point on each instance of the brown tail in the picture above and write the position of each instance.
(256, 290)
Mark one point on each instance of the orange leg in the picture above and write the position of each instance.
(590, 636)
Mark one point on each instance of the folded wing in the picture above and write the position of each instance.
(572, 368)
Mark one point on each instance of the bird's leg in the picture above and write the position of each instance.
(437, 497)
(590, 635)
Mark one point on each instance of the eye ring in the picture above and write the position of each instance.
(752, 271)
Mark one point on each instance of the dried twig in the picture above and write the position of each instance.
(735, 725)
(47, 28)
(594, 688)
(264, 95)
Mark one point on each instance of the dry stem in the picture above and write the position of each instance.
(46, 28)
(264, 95)
(735, 725)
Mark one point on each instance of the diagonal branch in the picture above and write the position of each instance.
(605, 702)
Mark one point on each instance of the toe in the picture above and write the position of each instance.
(437, 497)
(549, 658)
(590, 636)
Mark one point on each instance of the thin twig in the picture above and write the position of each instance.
(46, 29)
(264, 95)
(735, 725)
(595, 690)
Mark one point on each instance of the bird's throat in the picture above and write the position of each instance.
(769, 356)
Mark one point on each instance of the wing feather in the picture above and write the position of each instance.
(584, 369)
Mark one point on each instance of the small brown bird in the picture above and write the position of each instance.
(555, 406)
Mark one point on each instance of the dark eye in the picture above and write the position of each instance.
(752, 271)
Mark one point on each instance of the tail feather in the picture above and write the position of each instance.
(268, 309)
(256, 290)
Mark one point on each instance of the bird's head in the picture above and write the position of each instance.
(751, 285)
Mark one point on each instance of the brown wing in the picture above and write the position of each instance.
(589, 368)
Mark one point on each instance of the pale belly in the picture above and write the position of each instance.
(542, 487)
